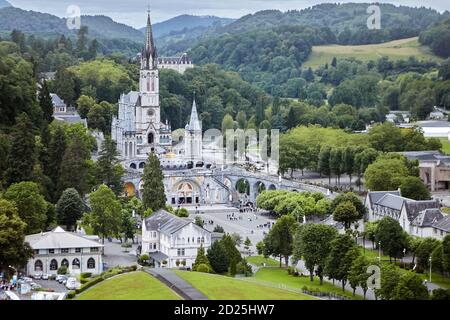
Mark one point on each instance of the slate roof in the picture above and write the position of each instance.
(427, 218)
(443, 224)
(374, 196)
(56, 100)
(392, 201)
(166, 222)
(413, 208)
(158, 256)
(183, 59)
(194, 123)
(58, 238)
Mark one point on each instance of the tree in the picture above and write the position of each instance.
(441, 294)
(231, 252)
(22, 156)
(199, 222)
(355, 201)
(65, 85)
(105, 218)
(218, 258)
(386, 137)
(69, 208)
(128, 225)
(336, 163)
(385, 174)
(82, 41)
(348, 159)
(346, 213)
(358, 274)
(84, 105)
(57, 149)
(153, 195)
(391, 236)
(74, 167)
(279, 241)
(45, 102)
(313, 243)
(247, 244)
(219, 229)
(201, 258)
(260, 247)
(324, 162)
(446, 253)
(14, 250)
(237, 239)
(109, 171)
(340, 259)
(423, 252)
(182, 213)
(410, 287)
(414, 188)
(30, 204)
(389, 279)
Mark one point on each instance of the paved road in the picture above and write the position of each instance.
(174, 282)
(115, 255)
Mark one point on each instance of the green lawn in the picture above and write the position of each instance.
(280, 276)
(445, 145)
(218, 287)
(395, 50)
(259, 260)
(131, 286)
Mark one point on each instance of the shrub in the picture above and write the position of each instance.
(62, 270)
(441, 294)
(133, 267)
(83, 280)
(203, 268)
(244, 268)
(70, 295)
(86, 274)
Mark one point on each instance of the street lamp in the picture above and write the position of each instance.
(430, 268)
(379, 252)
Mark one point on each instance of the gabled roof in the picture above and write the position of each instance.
(427, 218)
(56, 100)
(392, 201)
(443, 224)
(58, 238)
(374, 196)
(165, 222)
(413, 208)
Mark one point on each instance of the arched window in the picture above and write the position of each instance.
(198, 240)
(53, 265)
(76, 264)
(151, 138)
(141, 165)
(65, 263)
(133, 166)
(91, 263)
(203, 239)
(38, 266)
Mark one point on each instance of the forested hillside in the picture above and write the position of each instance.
(437, 36)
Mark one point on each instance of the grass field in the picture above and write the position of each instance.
(280, 276)
(445, 145)
(396, 50)
(130, 286)
(259, 260)
(217, 287)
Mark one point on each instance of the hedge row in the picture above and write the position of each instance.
(87, 283)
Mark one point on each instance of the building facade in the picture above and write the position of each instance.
(58, 248)
(168, 238)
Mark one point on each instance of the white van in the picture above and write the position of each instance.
(72, 283)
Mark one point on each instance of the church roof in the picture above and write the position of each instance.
(374, 196)
(58, 238)
(150, 49)
(427, 218)
(194, 123)
(443, 224)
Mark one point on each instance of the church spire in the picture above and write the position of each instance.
(194, 123)
(149, 52)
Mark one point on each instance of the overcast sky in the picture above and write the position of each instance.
(132, 12)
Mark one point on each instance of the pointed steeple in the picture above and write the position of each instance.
(194, 123)
(149, 52)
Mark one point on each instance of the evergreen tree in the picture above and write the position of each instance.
(45, 102)
(231, 252)
(291, 120)
(324, 162)
(22, 158)
(74, 167)
(153, 195)
(109, 171)
(218, 258)
(82, 41)
(56, 151)
(92, 51)
(65, 86)
(200, 259)
(69, 208)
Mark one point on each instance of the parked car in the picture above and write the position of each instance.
(72, 283)
(60, 278)
(35, 286)
(27, 279)
(37, 276)
(45, 277)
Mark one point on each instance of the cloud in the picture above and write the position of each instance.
(132, 12)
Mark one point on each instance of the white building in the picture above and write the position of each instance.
(418, 218)
(179, 64)
(166, 237)
(60, 248)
